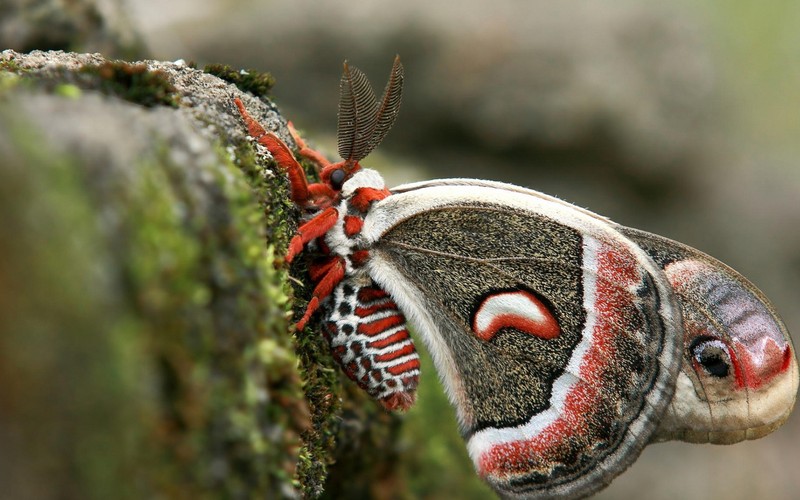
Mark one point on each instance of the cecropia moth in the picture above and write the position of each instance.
(565, 342)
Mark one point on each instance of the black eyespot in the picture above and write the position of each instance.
(712, 355)
(337, 179)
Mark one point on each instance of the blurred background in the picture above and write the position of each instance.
(679, 118)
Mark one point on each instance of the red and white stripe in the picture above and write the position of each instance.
(370, 340)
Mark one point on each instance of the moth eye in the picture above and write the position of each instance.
(337, 179)
(712, 355)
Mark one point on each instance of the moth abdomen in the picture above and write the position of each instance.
(370, 340)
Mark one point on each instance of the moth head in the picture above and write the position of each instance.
(336, 174)
(739, 377)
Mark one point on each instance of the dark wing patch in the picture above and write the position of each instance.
(454, 269)
(590, 383)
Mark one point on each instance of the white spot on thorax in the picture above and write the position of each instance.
(364, 178)
(339, 243)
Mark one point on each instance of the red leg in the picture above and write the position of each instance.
(306, 151)
(317, 270)
(311, 230)
(323, 289)
(280, 152)
(253, 127)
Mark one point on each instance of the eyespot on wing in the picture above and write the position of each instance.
(726, 321)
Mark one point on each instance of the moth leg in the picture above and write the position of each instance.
(254, 128)
(306, 152)
(279, 151)
(315, 196)
(332, 277)
(311, 230)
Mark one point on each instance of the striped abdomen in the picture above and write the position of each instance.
(369, 339)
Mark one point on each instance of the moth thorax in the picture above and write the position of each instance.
(364, 178)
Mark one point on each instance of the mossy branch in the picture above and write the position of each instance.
(145, 340)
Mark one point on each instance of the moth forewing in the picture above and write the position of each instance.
(416, 229)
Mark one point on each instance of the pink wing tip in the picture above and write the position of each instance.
(759, 366)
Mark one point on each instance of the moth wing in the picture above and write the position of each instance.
(739, 378)
(556, 337)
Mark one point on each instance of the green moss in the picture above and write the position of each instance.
(321, 384)
(68, 90)
(8, 81)
(320, 376)
(192, 372)
(220, 310)
(271, 191)
(70, 354)
(273, 426)
(10, 75)
(132, 82)
(256, 82)
(11, 66)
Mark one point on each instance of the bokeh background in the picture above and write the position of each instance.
(679, 118)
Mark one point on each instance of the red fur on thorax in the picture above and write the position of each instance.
(352, 225)
(364, 196)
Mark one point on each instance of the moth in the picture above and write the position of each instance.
(565, 342)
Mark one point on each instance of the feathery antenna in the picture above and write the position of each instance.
(363, 121)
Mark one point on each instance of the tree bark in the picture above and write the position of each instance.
(145, 345)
